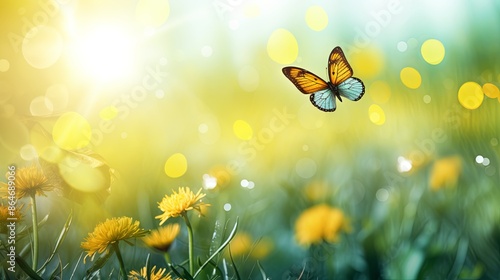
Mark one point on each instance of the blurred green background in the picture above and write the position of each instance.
(191, 93)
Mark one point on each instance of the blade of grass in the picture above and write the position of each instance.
(27, 268)
(215, 271)
(59, 241)
(25, 250)
(461, 255)
(184, 275)
(100, 262)
(58, 270)
(76, 266)
(148, 268)
(233, 264)
(262, 272)
(231, 235)
(217, 239)
(224, 265)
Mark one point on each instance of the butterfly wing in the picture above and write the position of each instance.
(352, 89)
(304, 80)
(324, 100)
(321, 97)
(339, 69)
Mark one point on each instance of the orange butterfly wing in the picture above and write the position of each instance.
(304, 80)
(338, 67)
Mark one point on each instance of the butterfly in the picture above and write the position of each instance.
(323, 93)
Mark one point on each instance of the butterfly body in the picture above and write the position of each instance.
(335, 90)
(323, 93)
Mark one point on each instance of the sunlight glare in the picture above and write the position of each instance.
(106, 54)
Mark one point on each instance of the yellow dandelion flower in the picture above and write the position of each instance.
(109, 232)
(30, 181)
(180, 202)
(320, 223)
(241, 244)
(244, 245)
(263, 247)
(317, 190)
(445, 173)
(153, 275)
(161, 239)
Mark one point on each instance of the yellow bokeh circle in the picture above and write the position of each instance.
(410, 77)
(42, 46)
(367, 64)
(432, 51)
(83, 176)
(71, 131)
(176, 165)
(376, 114)
(4, 65)
(316, 18)
(282, 47)
(44, 145)
(242, 130)
(491, 90)
(470, 95)
(41, 106)
(380, 92)
(28, 152)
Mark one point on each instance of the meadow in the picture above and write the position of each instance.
(157, 139)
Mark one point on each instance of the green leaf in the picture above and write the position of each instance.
(216, 237)
(27, 269)
(217, 240)
(231, 235)
(84, 157)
